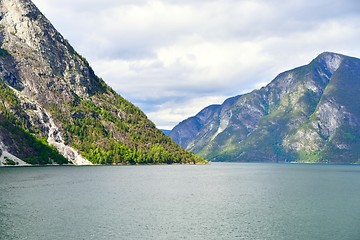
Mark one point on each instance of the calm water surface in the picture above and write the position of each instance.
(219, 201)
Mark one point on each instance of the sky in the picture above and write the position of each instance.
(172, 58)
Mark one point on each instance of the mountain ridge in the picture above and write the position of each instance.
(67, 113)
(296, 117)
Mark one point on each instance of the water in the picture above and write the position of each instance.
(219, 201)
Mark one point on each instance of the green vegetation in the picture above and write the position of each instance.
(310, 157)
(117, 133)
(10, 162)
(104, 133)
(108, 129)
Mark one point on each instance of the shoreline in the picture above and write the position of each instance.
(175, 164)
(103, 165)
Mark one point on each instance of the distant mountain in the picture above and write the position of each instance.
(308, 114)
(166, 132)
(54, 109)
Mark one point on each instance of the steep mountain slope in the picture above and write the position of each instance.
(308, 114)
(54, 109)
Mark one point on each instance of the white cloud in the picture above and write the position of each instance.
(172, 57)
(169, 114)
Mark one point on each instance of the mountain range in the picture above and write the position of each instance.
(55, 110)
(308, 114)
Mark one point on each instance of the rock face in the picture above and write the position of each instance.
(308, 114)
(52, 97)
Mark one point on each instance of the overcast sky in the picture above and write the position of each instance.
(172, 58)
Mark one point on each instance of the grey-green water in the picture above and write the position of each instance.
(219, 201)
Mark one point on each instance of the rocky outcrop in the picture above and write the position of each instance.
(306, 114)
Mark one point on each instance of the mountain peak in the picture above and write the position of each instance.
(330, 60)
(20, 18)
(27, 34)
(17, 8)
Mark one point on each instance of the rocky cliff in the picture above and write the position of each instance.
(308, 114)
(54, 109)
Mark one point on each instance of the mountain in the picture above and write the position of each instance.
(54, 109)
(165, 131)
(308, 114)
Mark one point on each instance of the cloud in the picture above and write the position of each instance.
(170, 113)
(172, 58)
